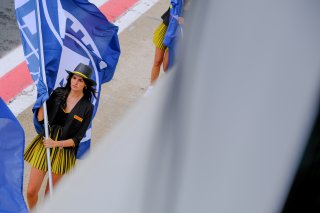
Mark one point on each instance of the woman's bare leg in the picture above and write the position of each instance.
(166, 60)
(158, 59)
(35, 181)
(55, 179)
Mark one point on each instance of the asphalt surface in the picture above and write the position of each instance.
(9, 32)
(128, 85)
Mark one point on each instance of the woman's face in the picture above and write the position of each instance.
(77, 83)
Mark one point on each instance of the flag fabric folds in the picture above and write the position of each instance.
(174, 30)
(26, 15)
(11, 162)
(91, 39)
(73, 31)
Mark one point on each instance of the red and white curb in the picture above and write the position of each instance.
(16, 86)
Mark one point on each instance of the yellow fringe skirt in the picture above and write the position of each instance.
(62, 160)
(158, 36)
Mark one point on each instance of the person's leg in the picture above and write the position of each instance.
(35, 181)
(158, 59)
(166, 60)
(55, 179)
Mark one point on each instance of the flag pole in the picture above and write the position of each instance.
(42, 67)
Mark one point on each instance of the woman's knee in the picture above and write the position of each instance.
(158, 62)
(165, 67)
(158, 59)
(166, 60)
(32, 191)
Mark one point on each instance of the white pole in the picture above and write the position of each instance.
(46, 130)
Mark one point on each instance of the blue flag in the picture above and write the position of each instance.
(53, 30)
(174, 31)
(11, 162)
(72, 31)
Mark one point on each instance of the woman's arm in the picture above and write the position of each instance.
(74, 141)
(84, 127)
(49, 143)
(49, 102)
(40, 116)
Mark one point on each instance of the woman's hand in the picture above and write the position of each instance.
(49, 143)
(181, 20)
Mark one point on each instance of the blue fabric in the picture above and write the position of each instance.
(81, 33)
(106, 48)
(174, 31)
(11, 162)
(84, 148)
(102, 32)
(26, 15)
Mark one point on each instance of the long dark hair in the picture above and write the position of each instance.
(88, 91)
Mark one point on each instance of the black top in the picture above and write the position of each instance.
(76, 122)
(60, 118)
(166, 17)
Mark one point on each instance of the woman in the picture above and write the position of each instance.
(175, 27)
(69, 115)
(160, 56)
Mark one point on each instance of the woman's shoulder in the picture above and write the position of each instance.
(87, 103)
(58, 93)
(59, 89)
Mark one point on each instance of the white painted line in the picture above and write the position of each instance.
(28, 95)
(134, 13)
(23, 100)
(15, 57)
(98, 3)
(11, 60)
